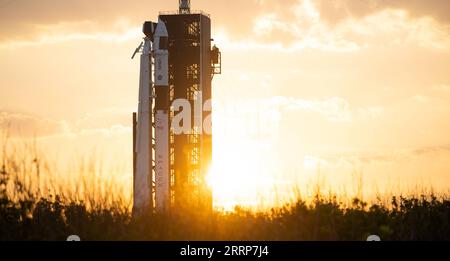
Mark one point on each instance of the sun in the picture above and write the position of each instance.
(233, 177)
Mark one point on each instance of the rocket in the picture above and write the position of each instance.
(153, 86)
(161, 75)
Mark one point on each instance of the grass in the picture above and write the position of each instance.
(52, 219)
(32, 208)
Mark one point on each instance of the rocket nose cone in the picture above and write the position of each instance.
(161, 30)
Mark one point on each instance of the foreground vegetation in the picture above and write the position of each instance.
(405, 219)
(29, 210)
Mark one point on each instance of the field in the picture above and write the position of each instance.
(52, 219)
(27, 213)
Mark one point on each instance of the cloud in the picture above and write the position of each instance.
(386, 157)
(103, 119)
(377, 23)
(335, 11)
(106, 123)
(20, 19)
(421, 98)
(22, 125)
(445, 88)
(110, 122)
(307, 28)
(372, 112)
(313, 163)
(291, 25)
(120, 31)
(113, 131)
(303, 29)
(334, 109)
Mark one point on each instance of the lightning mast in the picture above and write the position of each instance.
(185, 7)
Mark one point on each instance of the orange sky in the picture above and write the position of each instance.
(348, 87)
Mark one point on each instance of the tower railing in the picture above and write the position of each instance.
(193, 12)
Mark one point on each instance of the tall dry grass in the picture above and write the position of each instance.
(36, 203)
(28, 174)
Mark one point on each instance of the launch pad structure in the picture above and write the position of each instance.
(177, 63)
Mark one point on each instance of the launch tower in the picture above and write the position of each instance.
(170, 166)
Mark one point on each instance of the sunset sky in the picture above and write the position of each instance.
(312, 91)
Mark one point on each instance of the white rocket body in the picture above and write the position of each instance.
(143, 146)
(161, 75)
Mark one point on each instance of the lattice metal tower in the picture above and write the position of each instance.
(192, 63)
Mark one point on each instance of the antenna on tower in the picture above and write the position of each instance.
(185, 7)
